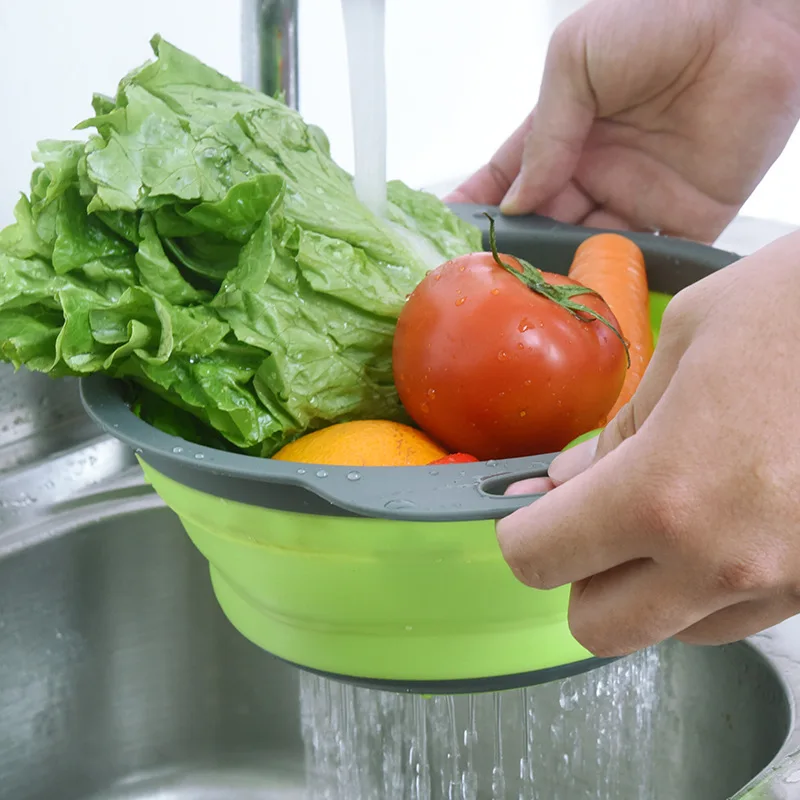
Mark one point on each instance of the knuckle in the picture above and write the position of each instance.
(592, 637)
(518, 557)
(667, 509)
(678, 311)
(525, 573)
(563, 36)
(566, 47)
(746, 574)
(621, 427)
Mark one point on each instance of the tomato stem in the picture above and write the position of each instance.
(560, 295)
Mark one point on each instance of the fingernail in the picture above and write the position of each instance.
(509, 202)
(573, 461)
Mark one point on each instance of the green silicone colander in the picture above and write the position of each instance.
(388, 577)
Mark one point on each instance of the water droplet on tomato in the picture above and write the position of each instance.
(461, 301)
(524, 325)
(461, 268)
(523, 413)
(520, 346)
(502, 356)
(528, 382)
(426, 409)
(495, 291)
(437, 277)
(431, 393)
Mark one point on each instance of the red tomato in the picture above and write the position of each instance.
(487, 366)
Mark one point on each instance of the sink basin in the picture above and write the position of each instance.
(120, 678)
(39, 416)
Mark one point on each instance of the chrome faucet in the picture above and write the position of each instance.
(269, 47)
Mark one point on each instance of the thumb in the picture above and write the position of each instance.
(558, 126)
(630, 417)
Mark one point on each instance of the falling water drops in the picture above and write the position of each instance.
(569, 739)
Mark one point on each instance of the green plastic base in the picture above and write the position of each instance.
(374, 599)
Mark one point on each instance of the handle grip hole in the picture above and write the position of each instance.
(496, 485)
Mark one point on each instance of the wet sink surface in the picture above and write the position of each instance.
(115, 661)
(224, 783)
(120, 678)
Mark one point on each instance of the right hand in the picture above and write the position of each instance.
(653, 115)
(683, 518)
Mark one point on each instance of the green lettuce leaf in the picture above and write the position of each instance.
(203, 246)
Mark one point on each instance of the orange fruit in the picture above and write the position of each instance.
(364, 443)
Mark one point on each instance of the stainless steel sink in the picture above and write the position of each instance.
(120, 678)
(30, 404)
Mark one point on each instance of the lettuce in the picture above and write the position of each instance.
(203, 246)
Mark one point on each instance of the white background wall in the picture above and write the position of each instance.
(460, 77)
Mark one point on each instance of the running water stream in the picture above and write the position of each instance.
(586, 738)
(364, 23)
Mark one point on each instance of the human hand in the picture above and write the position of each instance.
(685, 522)
(653, 116)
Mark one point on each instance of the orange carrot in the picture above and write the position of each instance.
(613, 266)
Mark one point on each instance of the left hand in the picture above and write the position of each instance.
(653, 115)
(683, 518)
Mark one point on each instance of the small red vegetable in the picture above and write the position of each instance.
(455, 458)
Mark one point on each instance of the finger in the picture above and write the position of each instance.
(588, 525)
(531, 486)
(636, 605)
(570, 205)
(490, 183)
(573, 461)
(558, 128)
(672, 345)
(737, 622)
(630, 418)
(602, 218)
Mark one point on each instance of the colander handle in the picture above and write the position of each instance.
(455, 492)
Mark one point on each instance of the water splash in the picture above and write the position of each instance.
(590, 737)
